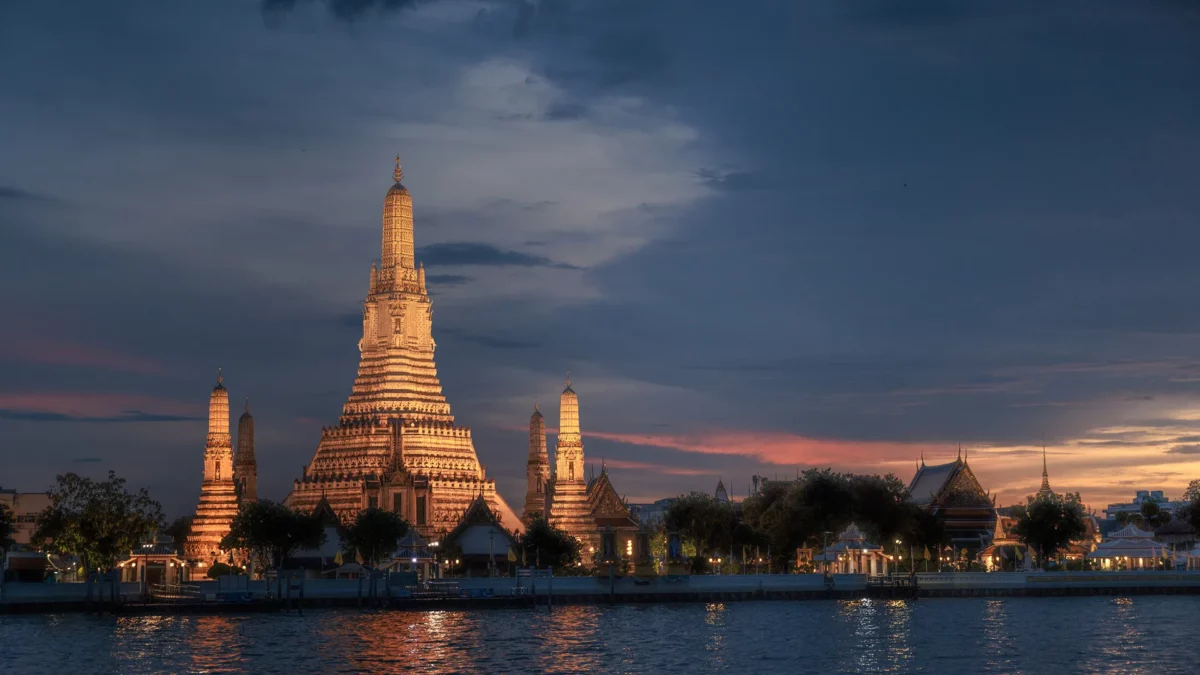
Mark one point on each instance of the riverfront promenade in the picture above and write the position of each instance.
(543, 591)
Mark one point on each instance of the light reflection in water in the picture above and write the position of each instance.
(569, 640)
(1065, 636)
(997, 642)
(714, 619)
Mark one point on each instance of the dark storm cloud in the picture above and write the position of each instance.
(345, 10)
(565, 111)
(472, 253)
(907, 13)
(733, 181)
(447, 279)
(487, 340)
(9, 193)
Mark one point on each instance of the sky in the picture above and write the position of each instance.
(761, 236)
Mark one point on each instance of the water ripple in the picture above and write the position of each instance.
(1016, 635)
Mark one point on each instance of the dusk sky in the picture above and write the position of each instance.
(762, 236)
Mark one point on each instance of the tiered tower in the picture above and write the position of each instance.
(218, 494)
(245, 467)
(569, 507)
(396, 445)
(537, 469)
(1045, 489)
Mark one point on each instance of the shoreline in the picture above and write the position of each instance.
(539, 601)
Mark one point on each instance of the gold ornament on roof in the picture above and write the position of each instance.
(398, 173)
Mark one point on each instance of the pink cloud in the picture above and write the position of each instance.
(60, 353)
(657, 468)
(98, 404)
(775, 447)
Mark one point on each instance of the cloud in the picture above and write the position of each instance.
(486, 340)
(10, 193)
(565, 111)
(774, 447)
(733, 181)
(447, 279)
(48, 350)
(1190, 449)
(472, 253)
(344, 10)
(87, 460)
(124, 416)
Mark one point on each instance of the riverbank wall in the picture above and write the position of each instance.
(211, 597)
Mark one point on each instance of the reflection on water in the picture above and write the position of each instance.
(1017, 635)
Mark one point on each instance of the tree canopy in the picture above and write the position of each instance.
(545, 545)
(701, 517)
(273, 532)
(100, 522)
(7, 528)
(813, 509)
(375, 534)
(1048, 523)
(178, 531)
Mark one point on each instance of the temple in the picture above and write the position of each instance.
(954, 496)
(396, 445)
(218, 493)
(585, 509)
(245, 467)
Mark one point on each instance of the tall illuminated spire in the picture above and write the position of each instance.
(1045, 489)
(397, 226)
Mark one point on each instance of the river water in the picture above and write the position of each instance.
(1151, 634)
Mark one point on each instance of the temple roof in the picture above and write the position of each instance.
(479, 513)
(929, 481)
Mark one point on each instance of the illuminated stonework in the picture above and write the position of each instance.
(583, 508)
(245, 467)
(537, 468)
(396, 445)
(569, 503)
(218, 493)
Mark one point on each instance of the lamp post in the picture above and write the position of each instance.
(896, 552)
(436, 570)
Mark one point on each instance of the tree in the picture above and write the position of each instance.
(1192, 492)
(375, 535)
(178, 531)
(1153, 516)
(8, 527)
(1049, 522)
(97, 521)
(880, 506)
(709, 523)
(544, 545)
(272, 532)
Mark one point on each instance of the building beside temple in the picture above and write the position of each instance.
(218, 491)
(396, 445)
(954, 496)
(480, 545)
(585, 509)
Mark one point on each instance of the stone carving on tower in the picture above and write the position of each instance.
(218, 493)
(245, 467)
(537, 468)
(396, 445)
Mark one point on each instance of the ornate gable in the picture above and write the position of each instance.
(603, 500)
(963, 489)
